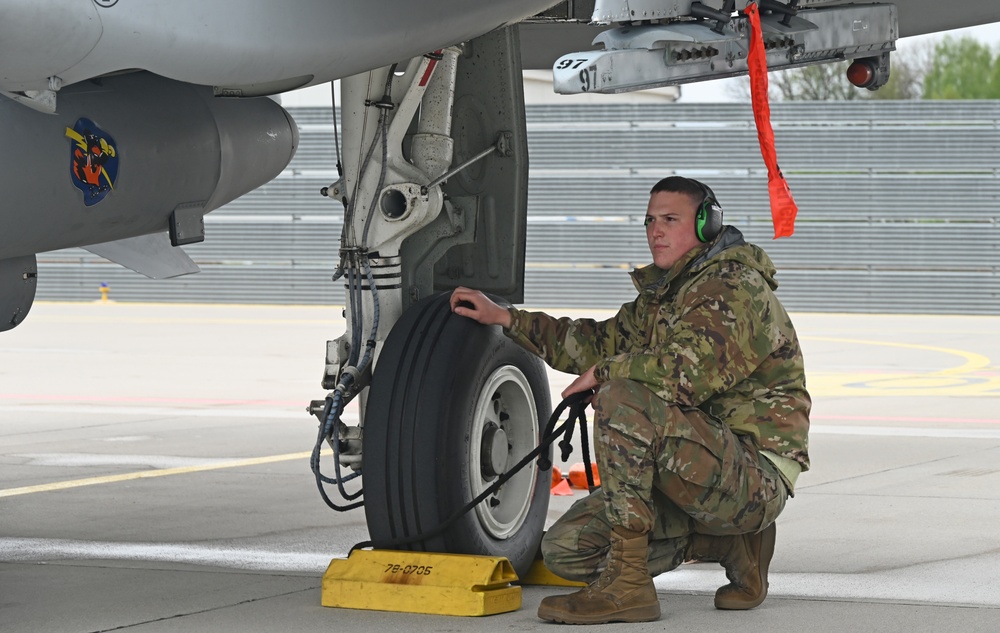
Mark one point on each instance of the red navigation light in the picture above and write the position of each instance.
(861, 73)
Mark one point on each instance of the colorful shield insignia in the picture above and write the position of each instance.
(93, 161)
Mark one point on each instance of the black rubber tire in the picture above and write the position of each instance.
(417, 435)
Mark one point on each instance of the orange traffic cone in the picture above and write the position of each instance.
(562, 488)
(556, 475)
(578, 475)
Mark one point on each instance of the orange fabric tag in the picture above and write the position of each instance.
(783, 207)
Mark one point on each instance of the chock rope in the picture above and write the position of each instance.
(577, 405)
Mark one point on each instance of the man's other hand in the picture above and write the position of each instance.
(584, 382)
(478, 307)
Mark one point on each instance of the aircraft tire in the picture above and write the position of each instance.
(452, 404)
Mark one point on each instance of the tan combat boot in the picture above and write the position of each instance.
(746, 558)
(623, 592)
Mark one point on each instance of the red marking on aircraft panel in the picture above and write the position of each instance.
(430, 69)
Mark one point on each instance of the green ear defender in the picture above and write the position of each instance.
(708, 219)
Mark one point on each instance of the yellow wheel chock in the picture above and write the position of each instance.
(421, 582)
(539, 574)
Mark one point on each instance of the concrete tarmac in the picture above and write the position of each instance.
(154, 477)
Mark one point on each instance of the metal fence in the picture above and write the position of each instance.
(899, 209)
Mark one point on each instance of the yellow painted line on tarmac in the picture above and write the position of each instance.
(973, 361)
(899, 386)
(148, 474)
(973, 377)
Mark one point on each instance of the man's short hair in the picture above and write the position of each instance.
(680, 184)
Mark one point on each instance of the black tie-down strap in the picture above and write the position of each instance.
(577, 405)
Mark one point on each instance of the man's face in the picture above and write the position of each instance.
(670, 227)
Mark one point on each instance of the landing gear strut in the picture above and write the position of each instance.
(435, 189)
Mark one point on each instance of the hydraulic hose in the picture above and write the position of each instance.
(335, 403)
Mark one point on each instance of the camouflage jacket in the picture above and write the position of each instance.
(708, 333)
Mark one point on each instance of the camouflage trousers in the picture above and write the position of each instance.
(665, 470)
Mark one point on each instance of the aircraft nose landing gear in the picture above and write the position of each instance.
(448, 406)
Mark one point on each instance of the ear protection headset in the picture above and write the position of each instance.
(708, 218)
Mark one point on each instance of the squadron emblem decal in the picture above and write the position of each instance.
(93, 161)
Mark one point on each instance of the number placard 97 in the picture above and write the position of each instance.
(567, 64)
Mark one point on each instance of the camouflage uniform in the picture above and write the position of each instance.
(702, 413)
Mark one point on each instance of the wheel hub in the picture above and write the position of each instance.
(495, 452)
(506, 423)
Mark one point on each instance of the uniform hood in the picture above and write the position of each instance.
(728, 246)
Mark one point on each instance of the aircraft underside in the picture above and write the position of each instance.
(125, 148)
